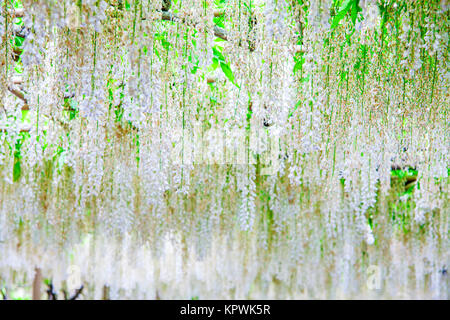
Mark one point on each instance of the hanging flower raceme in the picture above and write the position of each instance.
(224, 149)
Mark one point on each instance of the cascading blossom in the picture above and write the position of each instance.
(224, 150)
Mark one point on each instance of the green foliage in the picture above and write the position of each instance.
(407, 179)
(71, 108)
(219, 21)
(404, 173)
(228, 73)
(219, 59)
(299, 61)
(295, 108)
(17, 170)
(351, 6)
(59, 158)
(17, 41)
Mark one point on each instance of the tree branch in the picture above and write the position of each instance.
(169, 16)
(77, 293)
(37, 284)
(4, 295)
(18, 94)
(51, 294)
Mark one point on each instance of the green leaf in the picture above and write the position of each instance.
(228, 72)
(305, 79)
(16, 169)
(218, 54)
(219, 21)
(299, 61)
(355, 9)
(18, 41)
(296, 107)
(342, 12)
(214, 65)
(346, 5)
(219, 58)
(25, 116)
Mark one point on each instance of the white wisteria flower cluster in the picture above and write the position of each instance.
(225, 149)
